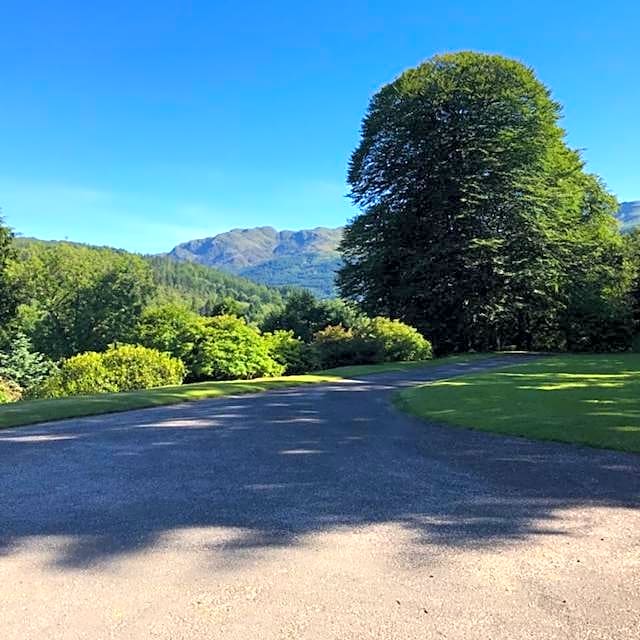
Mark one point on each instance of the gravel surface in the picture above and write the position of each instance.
(315, 512)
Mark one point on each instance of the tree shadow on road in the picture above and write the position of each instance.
(257, 472)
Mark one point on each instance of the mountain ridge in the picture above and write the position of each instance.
(304, 257)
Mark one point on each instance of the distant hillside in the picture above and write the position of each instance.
(306, 258)
(629, 214)
(192, 284)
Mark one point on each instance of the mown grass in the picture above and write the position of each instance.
(33, 411)
(587, 399)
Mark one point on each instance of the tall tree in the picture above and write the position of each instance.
(470, 197)
(633, 253)
(80, 298)
(304, 314)
(8, 297)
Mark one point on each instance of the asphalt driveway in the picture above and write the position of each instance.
(314, 512)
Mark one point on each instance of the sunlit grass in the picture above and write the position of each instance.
(32, 411)
(588, 399)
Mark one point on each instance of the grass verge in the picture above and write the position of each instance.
(586, 399)
(33, 411)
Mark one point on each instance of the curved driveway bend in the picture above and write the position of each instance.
(315, 512)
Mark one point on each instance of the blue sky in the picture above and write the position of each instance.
(144, 124)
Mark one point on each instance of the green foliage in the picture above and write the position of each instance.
(371, 340)
(79, 298)
(231, 349)
(226, 306)
(479, 225)
(119, 368)
(219, 348)
(8, 293)
(172, 328)
(315, 272)
(336, 346)
(394, 341)
(289, 351)
(23, 366)
(632, 246)
(9, 391)
(305, 315)
(210, 291)
(136, 367)
(81, 374)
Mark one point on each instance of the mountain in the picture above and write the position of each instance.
(306, 258)
(629, 215)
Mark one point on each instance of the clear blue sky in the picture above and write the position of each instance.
(143, 124)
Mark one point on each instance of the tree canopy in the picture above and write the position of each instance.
(8, 298)
(478, 221)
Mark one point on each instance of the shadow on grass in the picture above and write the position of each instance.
(267, 471)
(593, 400)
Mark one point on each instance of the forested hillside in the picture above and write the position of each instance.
(48, 270)
(79, 319)
(629, 215)
(306, 258)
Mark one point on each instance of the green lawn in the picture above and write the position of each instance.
(587, 399)
(32, 411)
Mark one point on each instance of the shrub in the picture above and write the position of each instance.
(23, 366)
(305, 315)
(229, 349)
(220, 348)
(336, 346)
(120, 368)
(82, 374)
(289, 351)
(172, 328)
(135, 367)
(370, 340)
(9, 391)
(394, 341)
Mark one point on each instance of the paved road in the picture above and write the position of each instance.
(317, 512)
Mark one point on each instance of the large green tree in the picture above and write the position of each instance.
(8, 299)
(472, 205)
(633, 254)
(77, 298)
(304, 314)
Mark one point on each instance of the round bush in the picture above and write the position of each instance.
(120, 368)
(230, 349)
(82, 374)
(394, 340)
(9, 391)
(289, 351)
(336, 346)
(134, 367)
